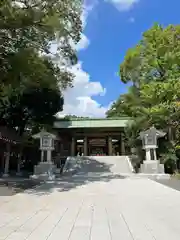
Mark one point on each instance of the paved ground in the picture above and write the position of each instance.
(92, 208)
(96, 204)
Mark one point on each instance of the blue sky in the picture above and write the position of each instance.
(110, 28)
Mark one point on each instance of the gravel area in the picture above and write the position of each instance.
(172, 183)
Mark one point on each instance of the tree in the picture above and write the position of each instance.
(32, 25)
(36, 24)
(20, 105)
(152, 67)
(155, 58)
(125, 104)
(32, 77)
(32, 108)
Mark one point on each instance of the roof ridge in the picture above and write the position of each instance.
(92, 119)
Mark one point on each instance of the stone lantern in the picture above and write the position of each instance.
(46, 169)
(151, 164)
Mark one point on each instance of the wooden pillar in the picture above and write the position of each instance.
(110, 150)
(85, 147)
(7, 159)
(73, 142)
(123, 152)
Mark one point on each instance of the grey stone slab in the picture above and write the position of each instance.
(65, 227)
(113, 209)
(80, 233)
(44, 230)
(118, 227)
(28, 226)
(100, 225)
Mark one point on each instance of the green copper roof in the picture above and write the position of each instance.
(92, 123)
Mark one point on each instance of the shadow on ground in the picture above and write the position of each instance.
(12, 186)
(86, 172)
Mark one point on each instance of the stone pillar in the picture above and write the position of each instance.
(7, 159)
(110, 149)
(49, 156)
(123, 152)
(73, 146)
(85, 147)
(155, 155)
(148, 154)
(42, 155)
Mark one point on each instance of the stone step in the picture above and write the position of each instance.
(101, 164)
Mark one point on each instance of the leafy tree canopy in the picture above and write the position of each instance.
(32, 77)
(155, 58)
(152, 67)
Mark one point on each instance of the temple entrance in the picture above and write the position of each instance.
(97, 147)
(97, 151)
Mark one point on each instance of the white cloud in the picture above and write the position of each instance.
(78, 100)
(83, 43)
(88, 7)
(123, 5)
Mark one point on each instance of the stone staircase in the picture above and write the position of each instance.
(92, 165)
(117, 164)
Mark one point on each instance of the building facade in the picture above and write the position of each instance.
(90, 137)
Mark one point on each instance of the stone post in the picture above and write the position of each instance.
(73, 146)
(148, 154)
(110, 150)
(7, 159)
(85, 146)
(49, 156)
(155, 155)
(42, 155)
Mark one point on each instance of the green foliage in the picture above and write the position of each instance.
(169, 159)
(152, 67)
(33, 106)
(32, 77)
(155, 58)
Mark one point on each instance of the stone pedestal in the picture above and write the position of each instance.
(153, 169)
(5, 175)
(44, 171)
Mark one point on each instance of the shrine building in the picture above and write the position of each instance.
(89, 137)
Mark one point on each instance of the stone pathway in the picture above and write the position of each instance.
(102, 209)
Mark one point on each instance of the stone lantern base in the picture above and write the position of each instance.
(152, 166)
(153, 169)
(44, 171)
